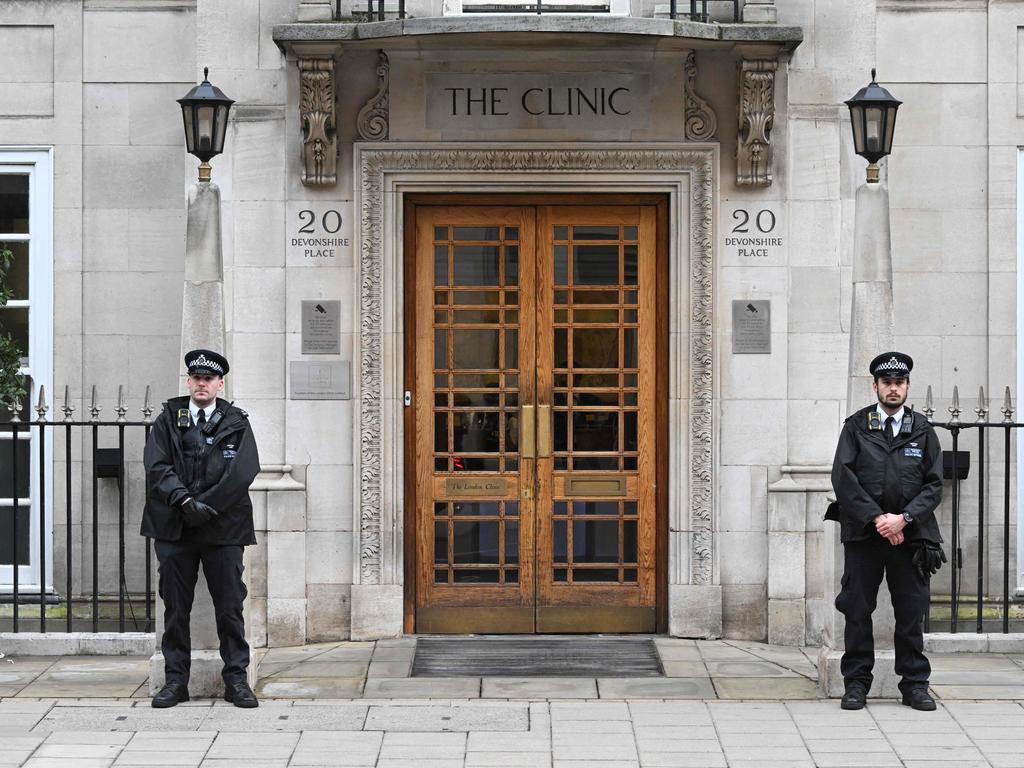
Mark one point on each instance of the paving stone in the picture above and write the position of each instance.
(539, 688)
(681, 760)
(399, 668)
(655, 688)
(179, 758)
(423, 746)
(310, 687)
(856, 760)
(499, 741)
(684, 668)
(765, 688)
(122, 718)
(421, 687)
(508, 759)
(337, 749)
(394, 653)
(253, 746)
(79, 750)
(285, 718)
(594, 710)
(674, 732)
(568, 728)
(678, 652)
(493, 717)
(670, 713)
(755, 668)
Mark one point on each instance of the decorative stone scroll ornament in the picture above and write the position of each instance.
(319, 133)
(757, 115)
(376, 534)
(372, 122)
(700, 120)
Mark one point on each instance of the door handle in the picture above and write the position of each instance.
(543, 431)
(527, 432)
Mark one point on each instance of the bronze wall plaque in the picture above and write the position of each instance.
(473, 486)
(595, 486)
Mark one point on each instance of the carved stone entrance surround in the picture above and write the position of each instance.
(688, 173)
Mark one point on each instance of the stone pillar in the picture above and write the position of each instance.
(760, 12)
(871, 332)
(202, 325)
(871, 322)
(276, 565)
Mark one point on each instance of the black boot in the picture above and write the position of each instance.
(919, 699)
(856, 697)
(171, 694)
(240, 694)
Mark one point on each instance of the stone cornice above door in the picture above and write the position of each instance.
(541, 32)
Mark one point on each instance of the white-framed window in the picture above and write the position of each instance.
(1018, 414)
(579, 7)
(26, 229)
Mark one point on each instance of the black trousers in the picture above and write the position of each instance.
(179, 570)
(865, 562)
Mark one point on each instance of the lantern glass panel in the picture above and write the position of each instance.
(890, 128)
(204, 137)
(857, 120)
(188, 116)
(873, 130)
(221, 125)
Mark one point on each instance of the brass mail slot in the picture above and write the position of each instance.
(595, 486)
(472, 486)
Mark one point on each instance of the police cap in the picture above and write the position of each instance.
(894, 365)
(204, 362)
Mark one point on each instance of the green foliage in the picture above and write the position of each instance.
(12, 383)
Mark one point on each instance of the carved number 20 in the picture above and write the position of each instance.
(308, 218)
(745, 215)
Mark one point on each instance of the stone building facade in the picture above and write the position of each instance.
(349, 136)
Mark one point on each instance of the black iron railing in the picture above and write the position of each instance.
(956, 470)
(103, 462)
(698, 9)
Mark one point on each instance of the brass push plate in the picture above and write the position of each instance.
(473, 486)
(595, 486)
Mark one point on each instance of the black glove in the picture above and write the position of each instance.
(196, 513)
(928, 558)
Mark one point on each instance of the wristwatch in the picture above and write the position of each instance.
(908, 518)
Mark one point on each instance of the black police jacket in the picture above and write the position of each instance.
(226, 468)
(872, 476)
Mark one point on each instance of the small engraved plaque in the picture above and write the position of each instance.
(595, 486)
(751, 327)
(330, 380)
(473, 486)
(321, 327)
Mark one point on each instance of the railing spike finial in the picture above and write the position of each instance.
(982, 409)
(15, 408)
(121, 410)
(929, 405)
(147, 406)
(41, 407)
(68, 407)
(94, 408)
(954, 409)
(1007, 408)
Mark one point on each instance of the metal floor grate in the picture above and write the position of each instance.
(567, 656)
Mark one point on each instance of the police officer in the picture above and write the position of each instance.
(200, 460)
(887, 477)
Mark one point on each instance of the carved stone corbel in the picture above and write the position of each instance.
(372, 122)
(757, 115)
(319, 128)
(700, 122)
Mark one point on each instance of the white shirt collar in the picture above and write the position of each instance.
(208, 410)
(897, 418)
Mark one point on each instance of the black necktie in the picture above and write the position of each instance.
(201, 418)
(888, 429)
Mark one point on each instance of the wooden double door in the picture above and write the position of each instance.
(536, 371)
